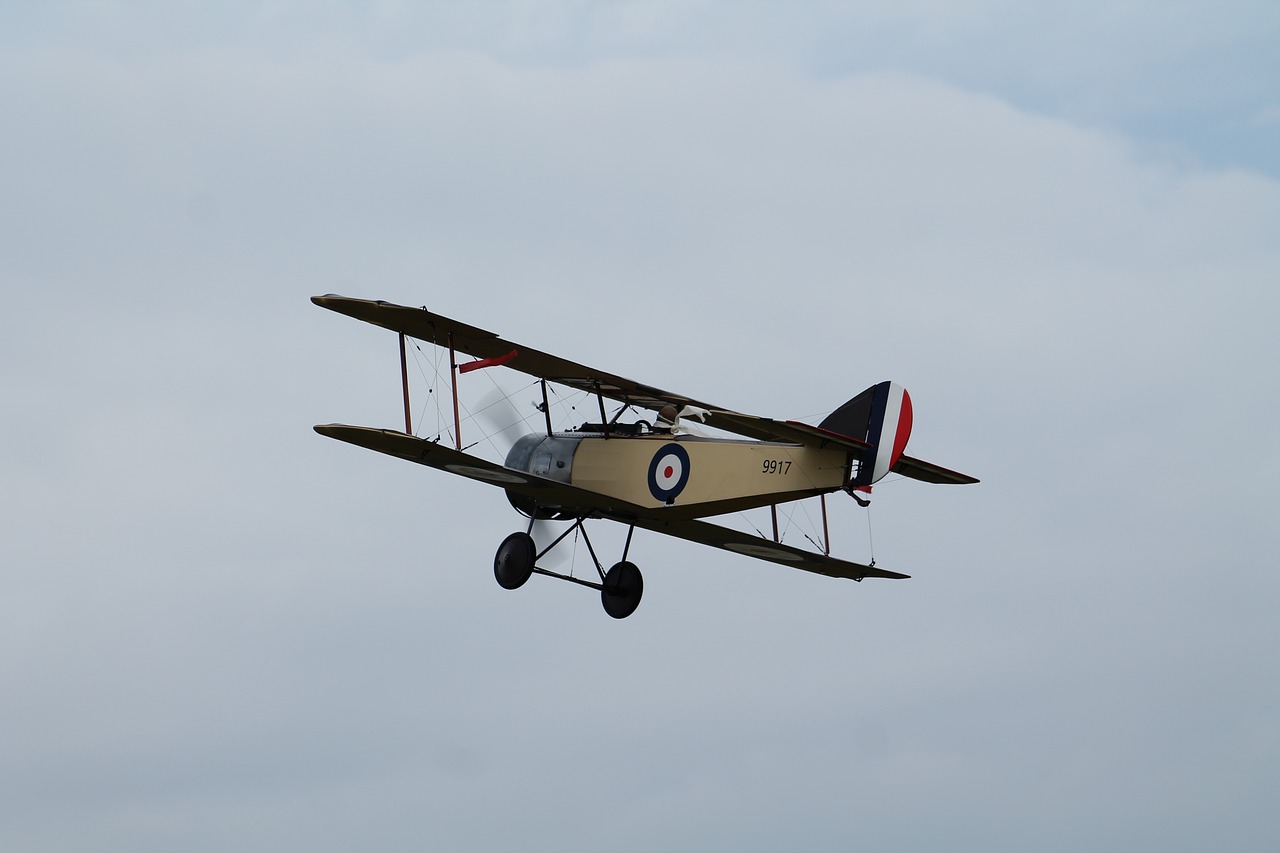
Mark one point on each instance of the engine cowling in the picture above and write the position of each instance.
(549, 456)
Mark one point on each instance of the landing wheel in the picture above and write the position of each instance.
(621, 591)
(513, 564)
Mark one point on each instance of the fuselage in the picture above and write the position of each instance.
(694, 476)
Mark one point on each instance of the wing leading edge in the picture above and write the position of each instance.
(554, 493)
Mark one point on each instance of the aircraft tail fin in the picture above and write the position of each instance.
(880, 416)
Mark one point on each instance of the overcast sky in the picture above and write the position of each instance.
(1058, 225)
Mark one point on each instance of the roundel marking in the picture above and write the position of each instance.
(668, 472)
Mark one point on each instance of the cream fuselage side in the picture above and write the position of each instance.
(696, 476)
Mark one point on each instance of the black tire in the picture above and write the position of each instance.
(513, 564)
(621, 591)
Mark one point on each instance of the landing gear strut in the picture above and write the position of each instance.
(620, 588)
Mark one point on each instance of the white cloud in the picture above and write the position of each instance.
(216, 614)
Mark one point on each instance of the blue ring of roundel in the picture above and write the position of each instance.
(668, 493)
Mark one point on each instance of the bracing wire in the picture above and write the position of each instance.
(871, 543)
(432, 396)
(573, 556)
(752, 524)
(561, 407)
(505, 399)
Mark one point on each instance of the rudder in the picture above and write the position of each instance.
(881, 417)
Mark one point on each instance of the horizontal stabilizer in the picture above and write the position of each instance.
(918, 469)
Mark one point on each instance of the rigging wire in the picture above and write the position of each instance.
(418, 358)
(787, 514)
(573, 556)
(507, 399)
(751, 524)
(435, 366)
(871, 541)
(434, 377)
(811, 527)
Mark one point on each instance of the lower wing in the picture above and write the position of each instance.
(556, 494)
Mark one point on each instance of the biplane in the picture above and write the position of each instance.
(658, 473)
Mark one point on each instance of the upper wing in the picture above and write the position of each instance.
(442, 331)
(554, 493)
(470, 340)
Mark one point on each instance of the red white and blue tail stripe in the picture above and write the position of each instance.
(881, 417)
(889, 429)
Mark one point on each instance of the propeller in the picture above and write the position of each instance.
(501, 420)
(504, 425)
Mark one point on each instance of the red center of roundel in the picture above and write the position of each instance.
(668, 471)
